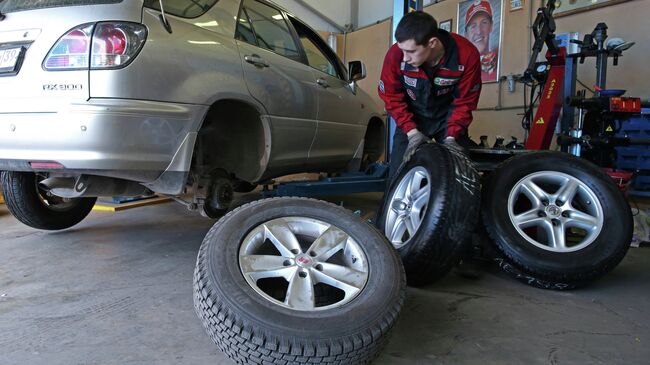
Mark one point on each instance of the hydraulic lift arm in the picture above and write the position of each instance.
(552, 97)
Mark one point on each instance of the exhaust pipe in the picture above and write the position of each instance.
(91, 186)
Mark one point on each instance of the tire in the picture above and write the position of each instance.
(242, 316)
(450, 214)
(562, 242)
(33, 207)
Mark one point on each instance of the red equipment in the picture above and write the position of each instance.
(541, 131)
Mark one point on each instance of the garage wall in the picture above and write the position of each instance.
(369, 45)
(627, 20)
(374, 11)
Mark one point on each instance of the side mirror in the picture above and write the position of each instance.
(357, 71)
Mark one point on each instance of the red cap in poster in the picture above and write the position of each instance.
(478, 7)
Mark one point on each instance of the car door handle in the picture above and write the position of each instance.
(256, 60)
(322, 83)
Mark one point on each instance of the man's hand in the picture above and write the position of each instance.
(416, 138)
(451, 143)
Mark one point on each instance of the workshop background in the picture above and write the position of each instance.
(118, 289)
(499, 111)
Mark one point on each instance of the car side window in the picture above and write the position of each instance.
(244, 30)
(314, 48)
(264, 26)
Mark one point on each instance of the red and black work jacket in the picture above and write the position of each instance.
(435, 99)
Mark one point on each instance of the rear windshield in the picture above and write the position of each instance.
(8, 6)
(182, 8)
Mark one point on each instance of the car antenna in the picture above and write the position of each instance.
(163, 18)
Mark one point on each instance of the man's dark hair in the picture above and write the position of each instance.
(418, 26)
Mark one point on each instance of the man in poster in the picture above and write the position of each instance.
(478, 27)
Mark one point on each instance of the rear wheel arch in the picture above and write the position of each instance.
(235, 136)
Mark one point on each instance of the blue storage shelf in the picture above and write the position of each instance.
(641, 182)
(636, 127)
(633, 158)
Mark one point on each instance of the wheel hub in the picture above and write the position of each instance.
(304, 261)
(553, 211)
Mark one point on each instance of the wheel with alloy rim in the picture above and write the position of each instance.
(38, 208)
(409, 203)
(563, 214)
(557, 221)
(305, 279)
(280, 279)
(430, 211)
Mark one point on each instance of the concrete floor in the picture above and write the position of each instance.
(117, 289)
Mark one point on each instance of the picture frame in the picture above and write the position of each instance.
(516, 5)
(480, 21)
(446, 25)
(568, 7)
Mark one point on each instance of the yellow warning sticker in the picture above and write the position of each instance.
(609, 129)
(540, 121)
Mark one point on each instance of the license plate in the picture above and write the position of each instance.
(9, 58)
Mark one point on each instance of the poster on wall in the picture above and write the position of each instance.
(480, 22)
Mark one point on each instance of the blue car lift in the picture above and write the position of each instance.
(374, 179)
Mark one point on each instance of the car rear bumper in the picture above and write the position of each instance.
(131, 139)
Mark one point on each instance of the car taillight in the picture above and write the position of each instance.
(97, 46)
(115, 44)
(71, 51)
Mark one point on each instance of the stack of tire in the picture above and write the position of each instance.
(555, 221)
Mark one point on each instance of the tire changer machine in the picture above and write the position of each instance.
(553, 84)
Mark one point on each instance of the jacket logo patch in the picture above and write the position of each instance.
(444, 82)
(382, 88)
(411, 81)
(411, 94)
(443, 91)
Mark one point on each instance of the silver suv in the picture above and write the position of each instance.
(117, 97)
